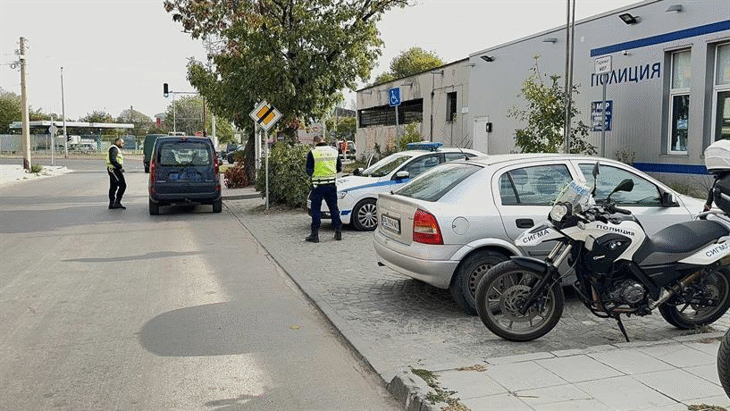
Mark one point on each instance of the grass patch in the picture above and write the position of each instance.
(439, 394)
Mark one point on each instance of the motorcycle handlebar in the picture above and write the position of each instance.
(613, 209)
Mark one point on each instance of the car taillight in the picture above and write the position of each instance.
(215, 162)
(426, 228)
(153, 166)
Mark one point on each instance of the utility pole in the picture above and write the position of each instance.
(63, 113)
(25, 146)
(569, 38)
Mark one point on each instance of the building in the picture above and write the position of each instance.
(667, 90)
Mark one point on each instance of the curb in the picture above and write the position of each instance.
(241, 196)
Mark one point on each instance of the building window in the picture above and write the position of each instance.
(451, 106)
(410, 111)
(722, 92)
(679, 102)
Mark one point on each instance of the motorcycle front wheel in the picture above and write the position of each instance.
(714, 287)
(501, 293)
(723, 363)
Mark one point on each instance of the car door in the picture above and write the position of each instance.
(524, 195)
(644, 200)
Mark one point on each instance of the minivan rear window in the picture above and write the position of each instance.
(184, 153)
(435, 183)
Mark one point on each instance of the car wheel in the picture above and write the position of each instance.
(364, 216)
(218, 206)
(470, 272)
(154, 208)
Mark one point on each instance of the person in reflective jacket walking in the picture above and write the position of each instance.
(323, 164)
(115, 168)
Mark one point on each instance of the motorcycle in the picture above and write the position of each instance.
(683, 270)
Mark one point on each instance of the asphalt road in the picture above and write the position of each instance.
(116, 309)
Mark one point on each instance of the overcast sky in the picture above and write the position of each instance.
(117, 53)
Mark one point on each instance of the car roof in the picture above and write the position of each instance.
(442, 150)
(488, 160)
(183, 138)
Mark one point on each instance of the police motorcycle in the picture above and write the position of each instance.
(682, 270)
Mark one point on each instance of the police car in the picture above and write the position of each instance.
(357, 194)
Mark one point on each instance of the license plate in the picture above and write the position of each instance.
(390, 223)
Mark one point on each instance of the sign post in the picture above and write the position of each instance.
(603, 67)
(265, 116)
(53, 129)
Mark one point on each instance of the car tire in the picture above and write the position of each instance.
(218, 206)
(364, 215)
(146, 168)
(154, 208)
(471, 270)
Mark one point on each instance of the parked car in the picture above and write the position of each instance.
(184, 171)
(357, 194)
(147, 146)
(450, 225)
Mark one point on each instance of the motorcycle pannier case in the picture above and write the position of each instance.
(717, 161)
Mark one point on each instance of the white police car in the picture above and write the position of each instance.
(357, 194)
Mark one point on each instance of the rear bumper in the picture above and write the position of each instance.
(437, 270)
(185, 198)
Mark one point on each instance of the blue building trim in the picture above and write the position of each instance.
(663, 38)
(670, 168)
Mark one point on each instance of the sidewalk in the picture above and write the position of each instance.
(239, 193)
(369, 305)
(664, 375)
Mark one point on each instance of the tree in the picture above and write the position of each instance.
(409, 62)
(97, 116)
(295, 54)
(142, 122)
(545, 116)
(185, 115)
(341, 128)
(10, 110)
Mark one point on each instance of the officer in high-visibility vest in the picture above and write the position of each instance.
(115, 168)
(323, 164)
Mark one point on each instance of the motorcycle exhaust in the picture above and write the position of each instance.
(666, 294)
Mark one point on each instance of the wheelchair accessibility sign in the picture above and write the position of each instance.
(394, 96)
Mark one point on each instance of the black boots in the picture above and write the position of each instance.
(314, 237)
(338, 234)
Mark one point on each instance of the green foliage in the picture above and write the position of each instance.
(545, 117)
(410, 135)
(98, 116)
(409, 62)
(10, 110)
(185, 115)
(36, 168)
(288, 180)
(339, 128)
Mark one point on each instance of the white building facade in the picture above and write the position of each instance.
(667, 93)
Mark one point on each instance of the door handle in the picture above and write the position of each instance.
(524, 223)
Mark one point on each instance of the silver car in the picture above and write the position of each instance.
(454, 222)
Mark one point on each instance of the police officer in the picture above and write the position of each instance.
(115, 168)
(323, 164)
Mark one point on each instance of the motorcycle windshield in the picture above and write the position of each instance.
(577, 193)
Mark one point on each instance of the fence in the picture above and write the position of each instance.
(40, 144)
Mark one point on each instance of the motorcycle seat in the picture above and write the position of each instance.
(678, 241)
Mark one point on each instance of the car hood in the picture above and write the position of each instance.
(694, 205)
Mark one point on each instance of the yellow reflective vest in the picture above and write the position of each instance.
(325, 165)
(120, 157)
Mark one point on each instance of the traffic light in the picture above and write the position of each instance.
(165, 90)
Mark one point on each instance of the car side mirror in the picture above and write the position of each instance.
(357, 171)
(402, 174)
(669, 199)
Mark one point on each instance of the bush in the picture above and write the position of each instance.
(288, 180)
(235, 177)
(36, 168)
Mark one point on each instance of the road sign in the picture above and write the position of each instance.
(603, 65)
(265, 115)
(53, 129)
(394, 96)
(597, 115)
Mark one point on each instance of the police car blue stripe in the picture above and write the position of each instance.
(378, 184)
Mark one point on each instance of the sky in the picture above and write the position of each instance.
(116, 54)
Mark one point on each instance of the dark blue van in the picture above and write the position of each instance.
(184, 171)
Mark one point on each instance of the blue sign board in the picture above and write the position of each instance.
(394, 96)
(597, 115)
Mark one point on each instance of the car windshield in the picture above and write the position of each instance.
(187, 153)
(387, 165)
(435, 183)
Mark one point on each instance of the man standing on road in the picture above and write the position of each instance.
(323, 164)
(115, 168)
